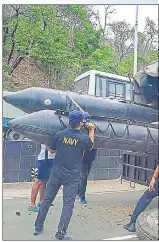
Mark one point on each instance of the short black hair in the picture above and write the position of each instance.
(73, 125)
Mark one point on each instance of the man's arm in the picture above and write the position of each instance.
(91, 128)
(153, 180)
(156, 173)
(50, 150)
(52, 146)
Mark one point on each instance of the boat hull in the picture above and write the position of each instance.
(41, 127)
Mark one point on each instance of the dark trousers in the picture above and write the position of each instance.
(69, 196)
(83, 178)
(144, 201)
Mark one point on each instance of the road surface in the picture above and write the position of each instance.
(101, 219)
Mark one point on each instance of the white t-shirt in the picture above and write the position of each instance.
(41, 156)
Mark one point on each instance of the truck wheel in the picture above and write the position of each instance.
(147, 225)
(12, 135)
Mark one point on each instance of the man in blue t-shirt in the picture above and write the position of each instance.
(70, 145)
(88, 159)
(145, 200)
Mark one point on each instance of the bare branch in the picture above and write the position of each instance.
(107, 12)
(19, 58)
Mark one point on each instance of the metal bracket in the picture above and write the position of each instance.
(121, 179)
(131, 184)
(71, 104)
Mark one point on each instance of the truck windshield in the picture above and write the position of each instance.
(107, 87)
(81, 86)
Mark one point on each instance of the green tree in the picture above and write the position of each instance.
(101, 59)
(66, 40)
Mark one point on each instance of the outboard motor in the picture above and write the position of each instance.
(146, 86)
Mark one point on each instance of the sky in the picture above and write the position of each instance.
(127, 12)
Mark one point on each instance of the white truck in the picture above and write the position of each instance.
(102, 84)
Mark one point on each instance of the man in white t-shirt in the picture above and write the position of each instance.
(44, 164)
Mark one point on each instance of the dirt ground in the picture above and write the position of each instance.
(23, 189)
(110, 205)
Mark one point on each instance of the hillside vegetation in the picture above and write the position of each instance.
(49, 45)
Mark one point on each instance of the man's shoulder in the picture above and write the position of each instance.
(84, 137)
(64, 131)
(60, 132)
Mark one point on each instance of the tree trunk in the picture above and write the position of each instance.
(11, 53)
(16, 63)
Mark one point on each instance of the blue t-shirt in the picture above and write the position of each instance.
(89, 156)
(70, 146)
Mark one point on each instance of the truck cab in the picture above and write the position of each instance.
(102, 84)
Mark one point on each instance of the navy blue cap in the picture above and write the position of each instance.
(77, 116)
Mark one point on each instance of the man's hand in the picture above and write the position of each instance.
(152, 184)
(51, 151)
(153, 180)
(90, 126)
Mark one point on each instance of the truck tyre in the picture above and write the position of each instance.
(12, 135)
(147, 225)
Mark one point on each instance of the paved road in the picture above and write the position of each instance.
(103, 217)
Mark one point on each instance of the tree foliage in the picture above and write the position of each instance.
(67, 40)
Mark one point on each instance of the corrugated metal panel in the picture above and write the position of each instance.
(19, 157)
(139, 168)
